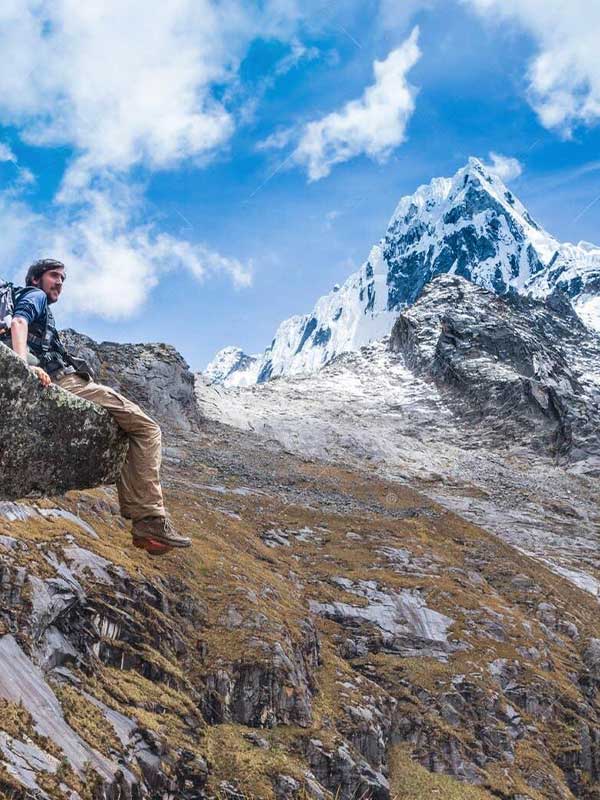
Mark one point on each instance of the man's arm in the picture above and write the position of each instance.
(18, 331)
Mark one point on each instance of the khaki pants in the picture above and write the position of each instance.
(140, 493)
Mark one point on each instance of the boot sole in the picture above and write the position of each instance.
(152, 547)
(164, 542)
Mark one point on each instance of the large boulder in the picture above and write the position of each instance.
(50, 440)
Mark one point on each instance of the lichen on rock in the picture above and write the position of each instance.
(50, 440)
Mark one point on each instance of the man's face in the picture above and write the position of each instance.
(51, 283)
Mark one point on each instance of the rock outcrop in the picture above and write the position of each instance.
(155, 375)
(518, 367)
(50, 440)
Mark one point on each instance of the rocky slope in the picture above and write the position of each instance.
(527, 372)
(487, 404)
(156, 375)
(470, 225)
(333, 632)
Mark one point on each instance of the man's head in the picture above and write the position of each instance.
(47, 275)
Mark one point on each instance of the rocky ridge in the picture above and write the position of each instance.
(527, 372)
(156, 375)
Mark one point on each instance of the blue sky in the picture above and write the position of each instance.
(204, 177)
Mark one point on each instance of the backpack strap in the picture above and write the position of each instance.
(42, 342)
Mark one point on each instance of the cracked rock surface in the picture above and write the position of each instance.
(50, 440)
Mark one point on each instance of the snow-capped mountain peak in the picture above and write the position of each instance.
(232, 366)
(470, 225)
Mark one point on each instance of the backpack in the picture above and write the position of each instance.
(8, 298)
(7, 305)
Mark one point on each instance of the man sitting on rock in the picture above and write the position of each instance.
(34, 333)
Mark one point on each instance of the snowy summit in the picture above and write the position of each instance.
(471, 225)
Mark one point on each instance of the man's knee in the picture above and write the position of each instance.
(156, 433)
(145, 426)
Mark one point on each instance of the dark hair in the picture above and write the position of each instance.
(37, 269)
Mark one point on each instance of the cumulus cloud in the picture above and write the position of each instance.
(124, 85)
(115, 265)
(113, 260)
(372, 125)
(564, 75)
(505, 167)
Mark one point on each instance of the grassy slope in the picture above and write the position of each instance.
(247, 597)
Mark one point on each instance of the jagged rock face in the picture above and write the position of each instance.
(50, 440)
(515, 365)
(470, 225)
(153, 375)
(574, 270)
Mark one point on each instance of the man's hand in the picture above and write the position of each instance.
(42, 376)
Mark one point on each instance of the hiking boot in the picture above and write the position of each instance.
(154, 533)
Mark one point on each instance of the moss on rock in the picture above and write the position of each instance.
(52, 441)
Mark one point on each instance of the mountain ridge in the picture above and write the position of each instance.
(471, 225)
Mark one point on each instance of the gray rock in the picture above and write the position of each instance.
(591, 658)
(345, 774)
(257, 740)
(286, 787)
(84, 561)
(22, 682)
(512, 364)
(51, 440)
(153, 375)
(404, 623)
(256, 693)
(25, 760)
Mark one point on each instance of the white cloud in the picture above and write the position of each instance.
(505, 167)
(126, 83)
(24, 176)
(112, 262)
(395, 17)
(93, 77)
(278, 139)
(18, 223)
(251, 95)
(6, 154)
(123, 85)
(113, 265)
(564, 76)
(374, 124)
